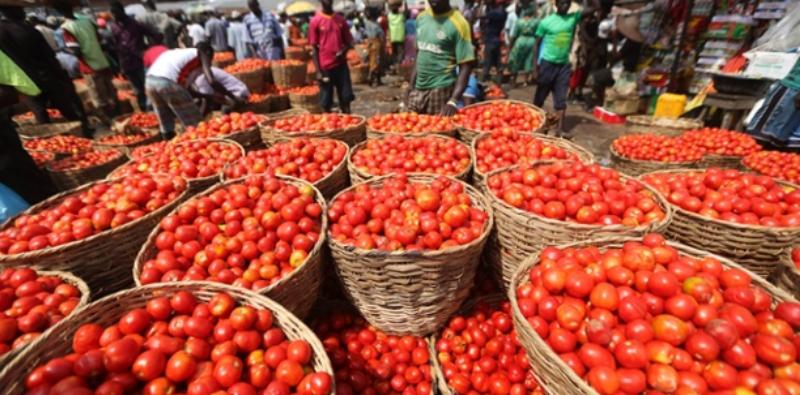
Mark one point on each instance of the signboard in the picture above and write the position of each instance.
(772, 65)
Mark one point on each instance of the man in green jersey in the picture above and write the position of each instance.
(553, 73)
(443, 42)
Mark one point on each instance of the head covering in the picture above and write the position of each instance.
(101, 22)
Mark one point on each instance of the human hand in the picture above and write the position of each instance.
(448, 110)
(341, 52)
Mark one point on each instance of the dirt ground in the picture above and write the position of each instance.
(588, 132)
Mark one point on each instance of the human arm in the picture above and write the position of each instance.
(535, 68)
(468, 100)
(348, 41)
(462, 81)
(156, 38)
(205, 64)
(591, 8)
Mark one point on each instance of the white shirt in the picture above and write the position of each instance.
(285, 27)
(181, 66)
(231, 83)
(511, 24)
(197, 33)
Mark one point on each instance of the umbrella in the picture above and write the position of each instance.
(300, 7)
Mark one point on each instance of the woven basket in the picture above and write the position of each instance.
(253, 79)
(107, 312)
(786, 276)
(121, 85)
(103, 260)
(50, 129)
(581, 153)
(260, 107)
(249, 139)
(221, 64)
(410, 292)
(379, 134)
(358, 176)
(288, 76)
(406, 70)
(332, 183)
(121, 125)
(307, 101)
(73, 178)
(671, 127)
(298, 291)
(6, 358)
(280, 103)
(467, 135)
(126, 148)
(722, 161)
(556, 376)
(636, 167)
(125, 107)
(521, 233)
(756, 247)
(351, 135)
(30, 121)
(359, 74)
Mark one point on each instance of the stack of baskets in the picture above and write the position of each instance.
(34, 131)
(787, 276)
(297, 53)
(255, 80)
(308, 101)
(359, 74)
(288, 74)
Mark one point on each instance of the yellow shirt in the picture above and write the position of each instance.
(12, 75)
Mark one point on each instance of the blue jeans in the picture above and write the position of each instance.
(339, 78)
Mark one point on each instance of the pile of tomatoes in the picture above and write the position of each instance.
(315, 122)
(124, 139)
(30, 304)
(106, 205)
(52, 113)
(498, 114)
(305, 90)
(653, 147)
(82, 161)
(62, 144)
(144, 120)
(256, 97)
(125, 95)
(274, 90)
(287, 62)
(395, 153)
(248, 64)
(182, 344)
(307, 159)
(192, 159)
(409, 122)
(729, 195)
(220, 126)
(646, 318)
(155, 148)
(367, 361)
(406, 215)
(250, 234)
(783, 165)
(495, 92)
(796, 257)
(40, 158)
(577, 192)
(716, 141)
(479, 353)
(223, 56)
(506, 147)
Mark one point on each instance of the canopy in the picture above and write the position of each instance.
(300, 7)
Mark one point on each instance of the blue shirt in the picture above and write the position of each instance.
(411, 27)
(237, 39)
(495, 23)
(265, 33)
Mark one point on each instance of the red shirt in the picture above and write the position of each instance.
(152, 54)
(331, 34)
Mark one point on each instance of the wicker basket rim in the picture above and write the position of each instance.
(423, 133)
(119, 155)
(481, 199)
(140, 258)
(53, 200)
(530, 107)
(473, 147)
(320, 181)
(719, 222)
(153, 135)
(360, 146)
(520, 278)
(667, 122)
(199, 179)
(617, 155)
(267, 124)
(660, 200)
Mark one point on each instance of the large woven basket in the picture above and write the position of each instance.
(581, 153)
(722, 161)
(221, 64)
(50, 130)
(289, 75)
(280, 103)
(467, 135)
(672, 127)
(309, 101)
(558, 378)
(249, 139)
(297, 54)
(254, 79)
(332, 183)
(756, 247)
(521, 233)
(6, 358)
(786, 276)
(72, 178)
(410, 292)
(23, 121)
(636, 167)
(107, 312)
(154, 137)
(351, 135)
(379, 134)
(359, 74)
(298, 291)
(103, 260)
(358, 176)
(260, 107)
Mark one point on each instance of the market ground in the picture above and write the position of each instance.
(587, 132)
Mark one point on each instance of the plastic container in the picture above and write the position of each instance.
(670, 105)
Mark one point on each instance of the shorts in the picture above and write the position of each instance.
(429, 101)
(553, 78)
